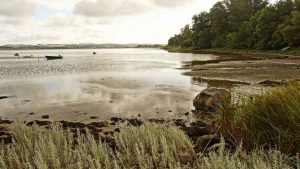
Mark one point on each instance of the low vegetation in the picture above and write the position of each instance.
(270, 120)
(148, 146)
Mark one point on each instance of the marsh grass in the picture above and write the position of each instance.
(270, 120)
(149, 146)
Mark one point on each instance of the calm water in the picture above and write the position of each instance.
(114, 82)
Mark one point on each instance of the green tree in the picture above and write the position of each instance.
(201, 36)
(291, 30)
(219, 24)
(266, 26)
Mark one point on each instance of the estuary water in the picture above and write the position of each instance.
(113, 82)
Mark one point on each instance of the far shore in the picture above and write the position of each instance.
(266, 53)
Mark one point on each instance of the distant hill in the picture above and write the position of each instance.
(77, 46)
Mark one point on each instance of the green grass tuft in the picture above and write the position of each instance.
(270, 120)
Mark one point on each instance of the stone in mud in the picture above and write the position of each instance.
(157, 121)
(5, 135)
(198, 124)
(45, 117)
(116, 119)
(6, 139)
(195, 131)
(205, 142)
(272, 83)
(211, 100)
(39, 123)
(135, 122)
(99, 124)
(93, 117)
(4, 97)
(5, 121)
(67, 124)
(179, 122)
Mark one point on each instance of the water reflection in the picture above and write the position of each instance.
(123, 82)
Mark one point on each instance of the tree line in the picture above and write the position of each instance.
(243, 24)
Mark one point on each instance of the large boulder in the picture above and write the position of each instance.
(211, 100)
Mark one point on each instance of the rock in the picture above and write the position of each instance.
(93, 117)
(31, 113)
(205, 142)
(187, 113)
(67, 124)
(5, 121)
(45, 117)
(99, 124)
(110, 141)
(39, 123)
(157, 121)
(116, 119)
(5, 135)
(117, 130)
(179, 122)
(26, 101)
(135, 122)
(194, 131)
(4, 97)
(198, 124)
(212, 100)
(6, 139)
(272, 83)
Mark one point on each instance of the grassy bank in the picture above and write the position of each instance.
(266, 53)
(148, 146)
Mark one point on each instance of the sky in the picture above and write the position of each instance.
(95, 21)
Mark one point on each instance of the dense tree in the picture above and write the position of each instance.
(291, 30)
(243, 24)
(184, 39)
(219, 24)
(201, 31)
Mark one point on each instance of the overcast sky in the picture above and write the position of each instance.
(95, 21)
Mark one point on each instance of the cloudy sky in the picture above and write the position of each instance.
(95, 21)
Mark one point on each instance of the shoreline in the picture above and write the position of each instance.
(268, 53)
(242, 66)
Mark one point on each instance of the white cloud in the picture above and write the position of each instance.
(16, 8)
(115, 21)
(106, 8)
(15, 12)
(110, 8)
(171, 3)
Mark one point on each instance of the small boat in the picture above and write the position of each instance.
(28, 57)
(54, 57)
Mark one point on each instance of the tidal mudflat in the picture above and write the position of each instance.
(114, 82)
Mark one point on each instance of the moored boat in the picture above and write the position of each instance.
(54, 57)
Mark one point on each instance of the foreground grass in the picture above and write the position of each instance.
(270, 120)
(148, 146)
